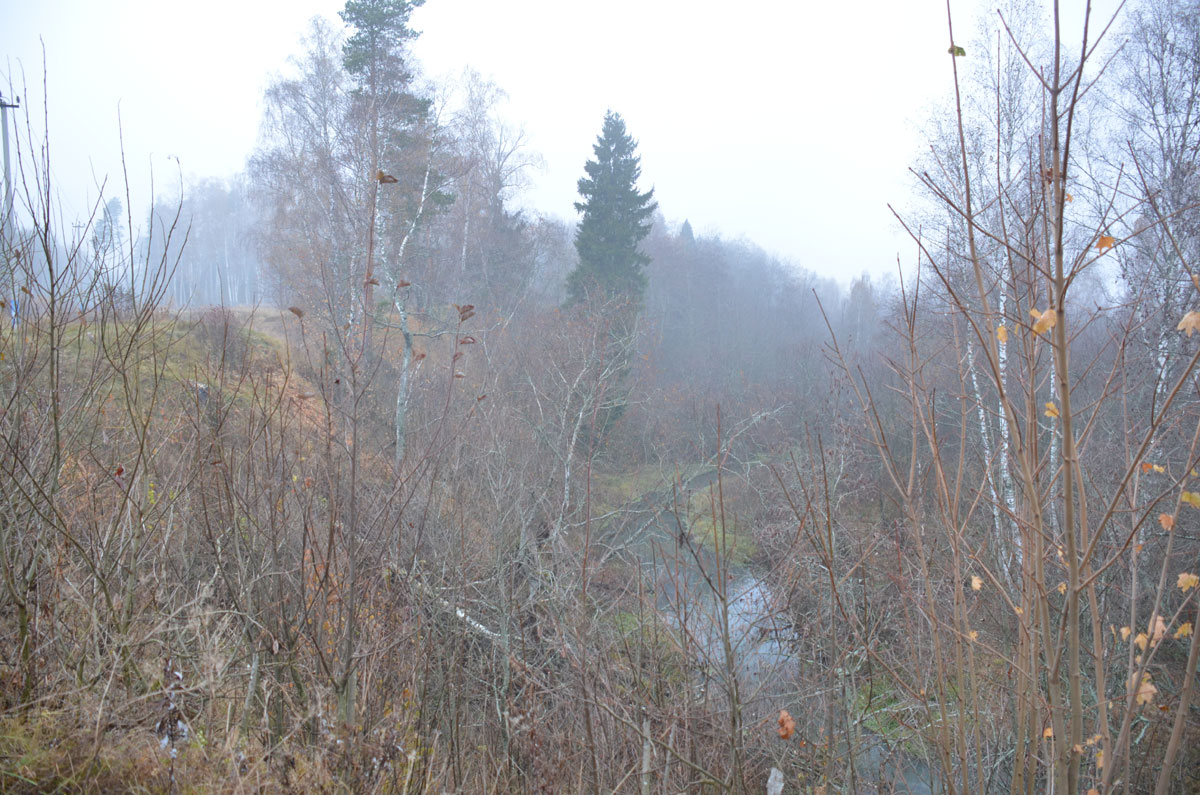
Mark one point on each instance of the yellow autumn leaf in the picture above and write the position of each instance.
(973, 635)
(1048, 732)
(1043, 321)
(1158, 469)
(1062, 588)
(976, 582)
(1185, 630)
(1142, 641)
(1100, 758)
(1191, 498)
(1187, 581)
(1105, 242)
(1144, 691)
(1019, 611)
(1167, 521)
(1051, 411)
(1069, 197)
(1190, 323)
(1093, 791)
(1125, 633)
(1002, 334)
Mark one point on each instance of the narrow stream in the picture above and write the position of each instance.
(763, 645)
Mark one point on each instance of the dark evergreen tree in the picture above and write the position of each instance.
(615, 219)
(376, 58)
(374, 53)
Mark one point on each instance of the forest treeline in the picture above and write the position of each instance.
(349, 475)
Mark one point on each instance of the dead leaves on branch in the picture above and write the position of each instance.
(1189, 323)
(1158, 628)
(787, 725)
(1192, 498)
(1043, 321)
(1143, 690)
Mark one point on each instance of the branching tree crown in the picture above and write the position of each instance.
(615, 218)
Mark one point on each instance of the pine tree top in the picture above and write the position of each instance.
(380, 30)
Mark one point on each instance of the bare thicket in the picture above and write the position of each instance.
(423, 527)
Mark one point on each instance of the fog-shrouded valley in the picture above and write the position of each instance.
(365, 467)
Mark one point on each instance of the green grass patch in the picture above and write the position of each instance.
(616, 489)
(877, 704)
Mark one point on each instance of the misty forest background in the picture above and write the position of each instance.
(347, 475)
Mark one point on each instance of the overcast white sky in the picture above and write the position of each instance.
(789, 123)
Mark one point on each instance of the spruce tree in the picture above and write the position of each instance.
(615, 219)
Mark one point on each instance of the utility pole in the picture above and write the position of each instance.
(8, 188)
